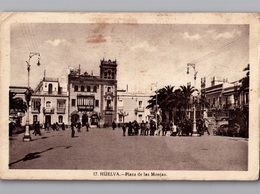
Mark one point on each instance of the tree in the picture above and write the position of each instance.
(162, 102)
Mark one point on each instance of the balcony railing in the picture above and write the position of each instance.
(140, 109)
(109, 108)
(61, 110)
(35, 111)
(48, 110)
(85, 107)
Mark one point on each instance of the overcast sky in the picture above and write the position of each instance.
(146, 53)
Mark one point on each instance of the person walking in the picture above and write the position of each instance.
(160, 127)
(124, 129)
(113, 125)
(206, 125)
(130, 129)
(87, 126)
(79, 126)
(73, 125)
(142, 128)
(147, 128)
(63, 127)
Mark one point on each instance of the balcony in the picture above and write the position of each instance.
(109, 108)
(48, 110)
(35, 111)
(61, 110)
(140, 109)
(85, 107)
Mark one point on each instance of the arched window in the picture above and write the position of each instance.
(50, 89)
(88, 88)
(82, 88)
(48, 104)
(95, 89)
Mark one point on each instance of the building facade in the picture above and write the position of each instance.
(93, 99)
(132, 106)
(49, 102)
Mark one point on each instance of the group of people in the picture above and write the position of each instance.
(164, 128)
(77, 126)
(55, 126)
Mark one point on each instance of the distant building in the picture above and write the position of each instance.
(223, 97)
(132, 106)
(18, 112)
(49, 102)
(93, 99)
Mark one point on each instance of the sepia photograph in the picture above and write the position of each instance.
(129, 96)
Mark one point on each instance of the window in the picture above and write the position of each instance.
(220, 100)
(95, 89)
(120, 118)
(109, 74)
(76, 88)
(35, 118)
(36, 104)
(82, 88)
(61, 103)
(88, 88)
(108, 89)
(246, 98)
(73, 102)
(48, 104)
(50, 89)
(60, 119)
(140, 103)
(97, 103)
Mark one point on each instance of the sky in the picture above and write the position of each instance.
(145, 53)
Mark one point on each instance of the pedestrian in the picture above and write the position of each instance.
(165, 128)
(136, 128)
(179, 127)
(206, 125)
(147, 128)
(57, 126)
(11, 128)
(160, 127)
(130, 127)
(113, 125)
(152, 127)
(63, 126)
(37, 128)
(87, 126)
(73, 125)
(124, 129)
(142, 126)
(79, 126)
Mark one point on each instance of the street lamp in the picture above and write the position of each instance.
(156, 102)
(194, 130)
(27, 136)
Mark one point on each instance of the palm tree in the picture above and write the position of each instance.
(162, 101)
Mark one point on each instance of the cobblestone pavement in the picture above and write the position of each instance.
(107, 149)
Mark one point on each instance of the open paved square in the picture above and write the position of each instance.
(107, 149)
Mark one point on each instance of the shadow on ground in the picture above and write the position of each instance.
(35, 155)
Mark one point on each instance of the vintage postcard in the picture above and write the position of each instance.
(129, 96)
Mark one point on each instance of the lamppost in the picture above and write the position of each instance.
(194, 130)
(156, 102)
(27, 136)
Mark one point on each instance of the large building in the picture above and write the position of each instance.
(49, 102)
(93, 99)
(224, 97)
(132, 106)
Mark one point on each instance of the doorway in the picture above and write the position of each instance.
(84, 120)
(48, 119)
